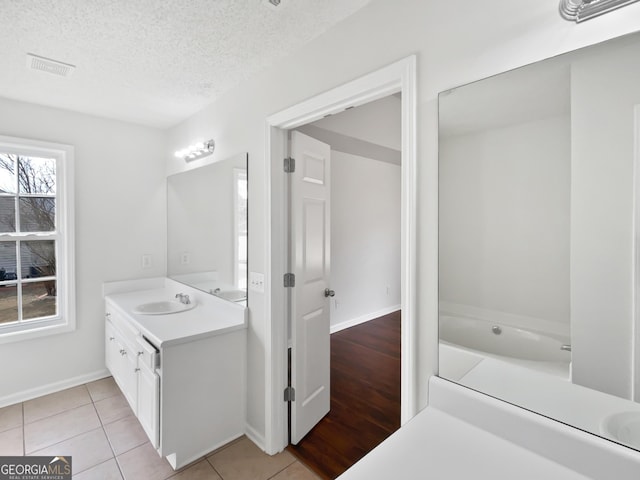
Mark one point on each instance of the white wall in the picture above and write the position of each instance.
(120, 215)
(456, 41)
(365, 238)
(604, 90)
(505, 217)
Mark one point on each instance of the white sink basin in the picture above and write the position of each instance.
(623, 427)
(163, 307)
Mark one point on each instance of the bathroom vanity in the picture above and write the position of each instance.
(183, 373)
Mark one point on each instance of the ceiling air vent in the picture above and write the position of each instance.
(54, 67)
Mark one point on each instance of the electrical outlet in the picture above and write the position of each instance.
(388, 290)
(256, 282)
(146, 260)
(185, 258)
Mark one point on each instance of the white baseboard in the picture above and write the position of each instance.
(52, 388)
(254, 436)
(363, 318)
(173, 461)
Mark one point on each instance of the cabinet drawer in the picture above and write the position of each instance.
(119, 322)
(147, 353)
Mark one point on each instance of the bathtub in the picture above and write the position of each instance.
(518, 345)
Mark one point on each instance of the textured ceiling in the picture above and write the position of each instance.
(153, 62)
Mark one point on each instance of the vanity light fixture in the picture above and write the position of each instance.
(196, 151)
(581, 10)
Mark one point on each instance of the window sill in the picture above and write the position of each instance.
(52, 327)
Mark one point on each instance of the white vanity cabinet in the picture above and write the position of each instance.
(183, 374)
(132, 361)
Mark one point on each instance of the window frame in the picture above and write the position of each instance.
(238, 175)
(65, 319)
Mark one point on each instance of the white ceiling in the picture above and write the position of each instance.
(154, 62)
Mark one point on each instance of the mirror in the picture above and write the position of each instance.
(207, 228)
(538, 238)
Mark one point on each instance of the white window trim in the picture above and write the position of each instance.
(65, 320)
(238, 173)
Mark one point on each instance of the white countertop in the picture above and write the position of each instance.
(437, 445)
(464, 434)
(546, 394)
(211, 316)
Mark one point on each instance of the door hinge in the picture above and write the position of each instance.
(289, 280)
(289, 165)
(289, 394)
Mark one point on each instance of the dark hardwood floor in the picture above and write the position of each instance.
(365, 397)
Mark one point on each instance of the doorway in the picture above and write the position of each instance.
(396, 78)
(332, 428)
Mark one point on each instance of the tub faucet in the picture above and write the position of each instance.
(183, 298)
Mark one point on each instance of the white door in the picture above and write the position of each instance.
(310, 241)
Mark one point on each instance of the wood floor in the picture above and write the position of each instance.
(365, 397)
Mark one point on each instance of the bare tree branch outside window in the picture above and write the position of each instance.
(36, 189)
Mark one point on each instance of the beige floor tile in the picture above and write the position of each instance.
(125, 434)
(86, 450)
(100, 389)
(57, 428)
(113, 408)
(227, 445)
(244, 460)
(11, 442)
(143, 462)
(105, 471)
(200, 471)
(55, 403)
(296, 471)
(10, 417)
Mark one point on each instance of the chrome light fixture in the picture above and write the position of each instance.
(581, 10)
(196, 151)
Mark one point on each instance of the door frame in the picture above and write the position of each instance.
(635, 277)
(394, 78)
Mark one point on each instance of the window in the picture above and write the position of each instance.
(36, 239)
(240, 226)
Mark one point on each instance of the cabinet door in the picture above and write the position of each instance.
(125, 373)
(121, 362)
(110, 348)
(149, 403)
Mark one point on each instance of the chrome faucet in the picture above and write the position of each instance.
(183, 298)
(216, 291)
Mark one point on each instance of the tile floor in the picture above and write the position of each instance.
(94, 424)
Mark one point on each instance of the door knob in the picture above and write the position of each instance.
(329, 293)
